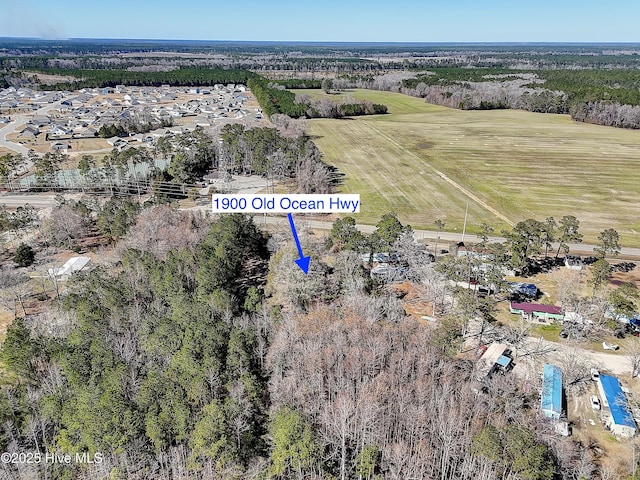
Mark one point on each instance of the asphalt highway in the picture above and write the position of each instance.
(42, 200)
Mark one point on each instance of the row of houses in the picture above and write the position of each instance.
(27, 99)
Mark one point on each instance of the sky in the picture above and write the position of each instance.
(326, 20)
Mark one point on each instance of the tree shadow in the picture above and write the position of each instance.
(336, 177)
(544, 265)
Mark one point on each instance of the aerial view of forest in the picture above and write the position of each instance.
(474, 314)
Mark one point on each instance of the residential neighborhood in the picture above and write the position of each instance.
(79, 115)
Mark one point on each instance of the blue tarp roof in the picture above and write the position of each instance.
(617, 401)
(552, 391)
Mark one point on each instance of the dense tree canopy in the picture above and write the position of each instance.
(169, 360)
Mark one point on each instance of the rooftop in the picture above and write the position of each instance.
(617, 401)
(551, 398)
(527, 307)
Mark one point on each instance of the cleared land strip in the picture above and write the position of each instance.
(444, 177)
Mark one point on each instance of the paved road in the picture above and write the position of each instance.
(42, 200)
(445, 238)
(39, 200)
(17, 122)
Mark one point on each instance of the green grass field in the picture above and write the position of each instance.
(425, 162)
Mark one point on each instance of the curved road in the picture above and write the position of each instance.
(8, 129)
(19, 120)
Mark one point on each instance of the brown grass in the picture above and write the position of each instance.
(6, 317)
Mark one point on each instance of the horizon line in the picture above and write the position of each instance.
(325, 42)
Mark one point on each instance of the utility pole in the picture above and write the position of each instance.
(464, 226)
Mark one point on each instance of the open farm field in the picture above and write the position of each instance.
(425, 162)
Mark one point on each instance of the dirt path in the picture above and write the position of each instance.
(555, 352)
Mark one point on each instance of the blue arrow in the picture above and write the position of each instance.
(303, 262)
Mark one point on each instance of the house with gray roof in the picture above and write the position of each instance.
(30, 131)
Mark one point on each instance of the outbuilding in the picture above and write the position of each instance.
(73, 265)
(497, 357)
(573, 262)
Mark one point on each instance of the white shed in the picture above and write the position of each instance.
(73, 265)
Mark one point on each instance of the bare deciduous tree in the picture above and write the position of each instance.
(162, 228)
(575, 370)
(64, 227)
(14, 287)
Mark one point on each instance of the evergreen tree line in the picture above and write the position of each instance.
(580, 86)
(159, 362)
(604, 97)
(175, 78)
(275, 99)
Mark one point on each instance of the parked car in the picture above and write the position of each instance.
(595, 374)
(610, 346)
(595, 402)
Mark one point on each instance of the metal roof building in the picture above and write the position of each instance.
(551, 398)
(74, 264)
(526, 289)
(536, 311)
(496, 357)
(620, 420)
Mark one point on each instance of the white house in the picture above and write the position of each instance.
(59, 131)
